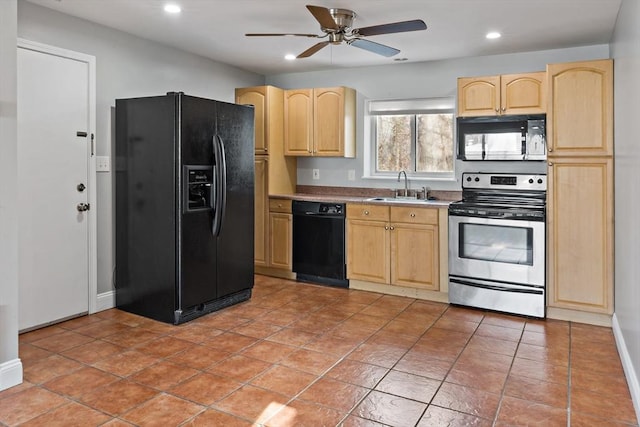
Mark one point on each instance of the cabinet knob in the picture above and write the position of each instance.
(392, 228)
(550, 149)
(503, 109)
(550, 163)
(309, 151)
(279, 205)
(366, 212)
(497, 110)
(386, 227)
(413, 215)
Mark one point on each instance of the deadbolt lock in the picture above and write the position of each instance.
(81, 187)
(83, 207)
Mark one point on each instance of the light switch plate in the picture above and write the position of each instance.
(351, 175)
(316, 174)
(103, 164)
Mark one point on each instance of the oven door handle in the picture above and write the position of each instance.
(497, 288)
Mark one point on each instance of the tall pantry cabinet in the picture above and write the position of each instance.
(580, 190)
(274, 173)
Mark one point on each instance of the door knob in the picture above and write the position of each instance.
(81, 187)
(83, 207)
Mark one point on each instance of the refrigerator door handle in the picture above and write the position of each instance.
(221, 185)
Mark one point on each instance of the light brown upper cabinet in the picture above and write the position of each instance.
(506, 94)
(268, 105)
(579, 118)
(320, 122)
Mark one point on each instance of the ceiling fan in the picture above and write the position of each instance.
(336, 25)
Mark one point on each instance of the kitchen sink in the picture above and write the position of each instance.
(402, 200)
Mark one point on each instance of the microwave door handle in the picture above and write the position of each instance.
(484, 146)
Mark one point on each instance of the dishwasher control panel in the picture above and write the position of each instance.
(337, 209)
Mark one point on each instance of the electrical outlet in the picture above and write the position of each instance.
(316, 174)
(103, 164)
(351, 175)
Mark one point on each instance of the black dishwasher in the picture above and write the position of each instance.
(319, 243)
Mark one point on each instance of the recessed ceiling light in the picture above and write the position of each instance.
(172, 8)
(400, 59)
(289, 57)
(493, 35)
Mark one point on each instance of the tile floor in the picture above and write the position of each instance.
(306, 355)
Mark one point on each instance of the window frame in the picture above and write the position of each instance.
(374, 108)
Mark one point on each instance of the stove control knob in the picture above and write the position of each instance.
(539, 180)
(530, 180)
(468, 179)
(477, 179)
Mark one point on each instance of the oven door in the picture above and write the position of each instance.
(504, 250)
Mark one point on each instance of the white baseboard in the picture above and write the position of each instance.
(10, 373)
(105, 301)
(629, 371)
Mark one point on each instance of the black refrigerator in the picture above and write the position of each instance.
(184, 205)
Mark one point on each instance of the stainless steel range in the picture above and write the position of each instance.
(497, 243)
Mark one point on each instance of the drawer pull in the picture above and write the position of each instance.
(413, 215)
(366, 212)
(279, 205)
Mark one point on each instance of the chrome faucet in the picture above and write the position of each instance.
(406, 185)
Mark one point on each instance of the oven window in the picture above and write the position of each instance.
(512, 245)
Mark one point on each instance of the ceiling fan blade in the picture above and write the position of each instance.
(378, 48)
(279, 35)
(313, 49)
(323, 16)
(395, 27)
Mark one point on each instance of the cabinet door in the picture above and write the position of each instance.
(580, 111)
(414, 256)
(256, 96)
(328, 122)
(580, 234)
(523, 93)
(298, 120)
(478, 96)
(280, 231)
(368, 250)
(261, 212)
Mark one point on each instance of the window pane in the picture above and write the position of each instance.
(393, 137)
(434, 150)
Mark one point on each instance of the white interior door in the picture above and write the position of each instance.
(54, 95)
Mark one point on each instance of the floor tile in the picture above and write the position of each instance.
(257, 329)
(608, 385)
(284, 380)
(358, 373)
(408, 385)
(240, 368)
(195, 333)
(49, 368)
(499, 332)
(377, 354)
(119, 397)
(389, 409)
(28, 404)
(132, 337)
(38, 334)
(127, 363)
(585, 420)
(353, 421)
(269, 351)
(552, 394)
(77, 383)
(93, 351)
(199, 357)
(472, 358)
(279, 317)
(102, 329)
(464, 314)
(164, 346)
(412, 329)
(540, 370)
(30, 353)
(305, 414)
(504, 320)
(611, 407)
(62, 341)
(80, 322)
(520, 412)
(70, 415)
(415, 362)
(293, 337)
(163, 410)
(310, 361)
(212, 417)
(479, 378)
(438, 417)
(253, 403)
(205, 388)
(454, 324)
(468, 400)
(335, 394)
(553, 355)
(163, 375)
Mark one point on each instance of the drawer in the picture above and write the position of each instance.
(280, 205)
(370, 212)
(414, 215)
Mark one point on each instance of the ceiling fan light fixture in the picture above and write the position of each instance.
(493, 35)
(172, 8)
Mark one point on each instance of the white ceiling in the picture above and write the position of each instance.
(456, 28)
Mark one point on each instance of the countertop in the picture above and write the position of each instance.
(362, 200)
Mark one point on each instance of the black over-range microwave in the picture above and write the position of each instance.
(518, 137)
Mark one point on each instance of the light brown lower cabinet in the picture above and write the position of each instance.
(580, 234)
(280, 234)
(393, 245)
